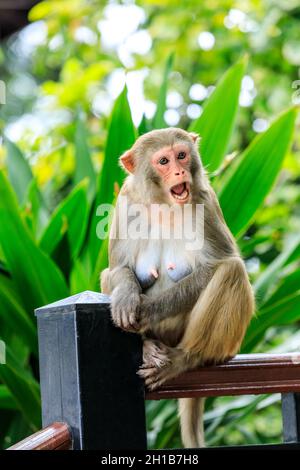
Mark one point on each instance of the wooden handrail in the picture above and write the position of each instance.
(245, 374)
(57, 436)
(88, 380)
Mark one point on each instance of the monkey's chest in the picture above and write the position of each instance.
(160, 265)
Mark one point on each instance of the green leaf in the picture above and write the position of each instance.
(41, 10)
(121, 136)
(14, 316)
(36, 212)
(19, 171)
(37, 278)
(70, 218)
(84, 165)
(144, 126)
(288, 286)
(283, 312)
(7, 400)
(62, 255)
(18, 430)
(101, 263)
(284, 302)
(158, 119)
(246, 189)
(272, 273)
(216, 123)
(79, 281)
(24, 389)
(232, 418)
(21, 351)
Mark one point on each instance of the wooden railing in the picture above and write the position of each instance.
(57, 436)
(92, 397)
(249, 374)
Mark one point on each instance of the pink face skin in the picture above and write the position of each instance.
(172, 165)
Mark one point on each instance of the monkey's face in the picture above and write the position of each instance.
(172, 165)
(165, 166)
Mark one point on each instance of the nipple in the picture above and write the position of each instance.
(171, 266)
(154, 273)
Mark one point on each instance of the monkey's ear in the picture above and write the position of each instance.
(195, 137)
(127, 161)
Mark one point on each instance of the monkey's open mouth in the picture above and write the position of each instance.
(180, 192)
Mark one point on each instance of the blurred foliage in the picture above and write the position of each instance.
(69, 116)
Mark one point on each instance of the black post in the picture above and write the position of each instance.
(88, 374)
(291, 416)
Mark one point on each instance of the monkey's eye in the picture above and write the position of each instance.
(181, 155)
(163, 161)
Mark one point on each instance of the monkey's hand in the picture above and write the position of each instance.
(125, 309)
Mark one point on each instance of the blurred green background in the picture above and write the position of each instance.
(82, 81)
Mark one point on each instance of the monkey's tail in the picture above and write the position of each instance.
(191, 421)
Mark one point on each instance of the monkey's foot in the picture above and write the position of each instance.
(161, 363)
(155, 354)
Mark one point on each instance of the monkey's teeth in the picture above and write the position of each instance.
(182, 196)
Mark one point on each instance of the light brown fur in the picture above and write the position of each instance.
(199, 319)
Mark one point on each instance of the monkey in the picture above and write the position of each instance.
(192, 307)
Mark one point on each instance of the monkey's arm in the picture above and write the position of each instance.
(177, 300)
(125, 291)
(120, 281)
(119, 276)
